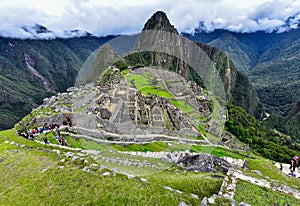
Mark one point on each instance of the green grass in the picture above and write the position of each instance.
(159, 91)
(137, 80)
(201, 184)
(202, 119)
(268, 169)
(182, 105)
(153, 147)
(30, 176)
(11, 135)
(255, 195)
(24, 183)
(218, 151)
(202, 129)
(86, 144)
(144, 85)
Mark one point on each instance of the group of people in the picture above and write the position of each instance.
(60, 138)
(38, 130)
(29, 133)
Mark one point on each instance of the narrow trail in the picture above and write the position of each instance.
(137, 137)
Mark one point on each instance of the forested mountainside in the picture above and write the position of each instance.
(31, 70)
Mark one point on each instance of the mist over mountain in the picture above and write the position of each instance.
(105, 18)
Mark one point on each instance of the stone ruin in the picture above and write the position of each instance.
(113, 106)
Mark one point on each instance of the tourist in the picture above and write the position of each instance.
(31, 137)
(46, 140)
(63, 141)
(294, 164)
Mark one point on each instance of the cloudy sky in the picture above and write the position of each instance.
(103, 17)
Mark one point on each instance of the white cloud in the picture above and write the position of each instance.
(102, 17)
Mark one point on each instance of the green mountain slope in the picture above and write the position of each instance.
(31, 167)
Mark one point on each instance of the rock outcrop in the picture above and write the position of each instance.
(159, 21)
(204, 163)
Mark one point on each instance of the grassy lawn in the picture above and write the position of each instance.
(144, 85)
(255, 195)
(218, 151)
(159, 91)
(200, 184)
(11, 135)
(153, 147)
(24, 183)
(86, 144)
(30, 176)
(182, 105)
(202, 129)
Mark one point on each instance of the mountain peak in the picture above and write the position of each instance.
(160, 21)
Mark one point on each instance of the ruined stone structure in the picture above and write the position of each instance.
(115, 108)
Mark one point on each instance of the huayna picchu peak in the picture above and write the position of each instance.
(160, 21)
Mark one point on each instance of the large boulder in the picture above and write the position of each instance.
(204, 163)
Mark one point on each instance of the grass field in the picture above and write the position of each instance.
(255, 195)
(32, 175)
(146, 87)
(182, 106)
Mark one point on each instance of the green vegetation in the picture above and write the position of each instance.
(147, 86)
(35, 172)
(255, 195)
(260, 138)
(219, 151)
(182, 106)
(289, 124)
(267, 168)
(57, 60)
(269, 59)
(121, 64)
(202, 185)
(85, 144)
(35, 169)
(202, 129)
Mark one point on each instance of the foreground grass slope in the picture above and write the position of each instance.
(32, 173)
